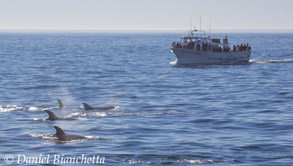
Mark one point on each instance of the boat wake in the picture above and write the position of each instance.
(271, 61)
(250, 62)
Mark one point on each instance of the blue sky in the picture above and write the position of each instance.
(145, 14)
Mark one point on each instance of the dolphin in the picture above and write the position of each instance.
(61, 105)
(53, 117)
(88, 107)
(60, 134)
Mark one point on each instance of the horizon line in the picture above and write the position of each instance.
(136, 30)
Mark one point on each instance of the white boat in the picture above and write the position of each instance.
(197, 49)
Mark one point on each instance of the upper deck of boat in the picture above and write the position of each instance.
(199, 36)
(197, 40)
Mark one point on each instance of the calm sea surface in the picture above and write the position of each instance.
(165, 114)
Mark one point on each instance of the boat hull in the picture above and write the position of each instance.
(193, 57)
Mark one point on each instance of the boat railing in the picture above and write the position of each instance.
(211, 47)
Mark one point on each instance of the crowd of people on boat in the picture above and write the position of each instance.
(209, 47)
(242, 47)
(220, 49)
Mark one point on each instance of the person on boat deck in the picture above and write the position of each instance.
(191, 44)
(203, 46)
(185, 43)
(206, 46)
(244, 47)
(173, 44)
(209, 48)
(234, 48)
(248, 47)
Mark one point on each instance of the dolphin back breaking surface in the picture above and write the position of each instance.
(88, 107)
(60, 134)
(61, 105)
(53, 117)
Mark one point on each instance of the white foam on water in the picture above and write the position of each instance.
(43, 136)
(271, 61)
(102, 114)
(196, 161)
(81, 118)
(173, 63)
(8, 108)
(92, 137)
(74, 114)
(32, 108)
(39, 119)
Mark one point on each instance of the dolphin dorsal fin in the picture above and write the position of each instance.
(61, 105)
(59, 131)
(52, 116)
(87, 107)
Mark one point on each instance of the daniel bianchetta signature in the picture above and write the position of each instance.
(53, 159)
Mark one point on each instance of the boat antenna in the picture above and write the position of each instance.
(199, 16)
(210, 26)
(200, 22)
(190, 21)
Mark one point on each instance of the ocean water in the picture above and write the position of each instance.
(165, 114)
